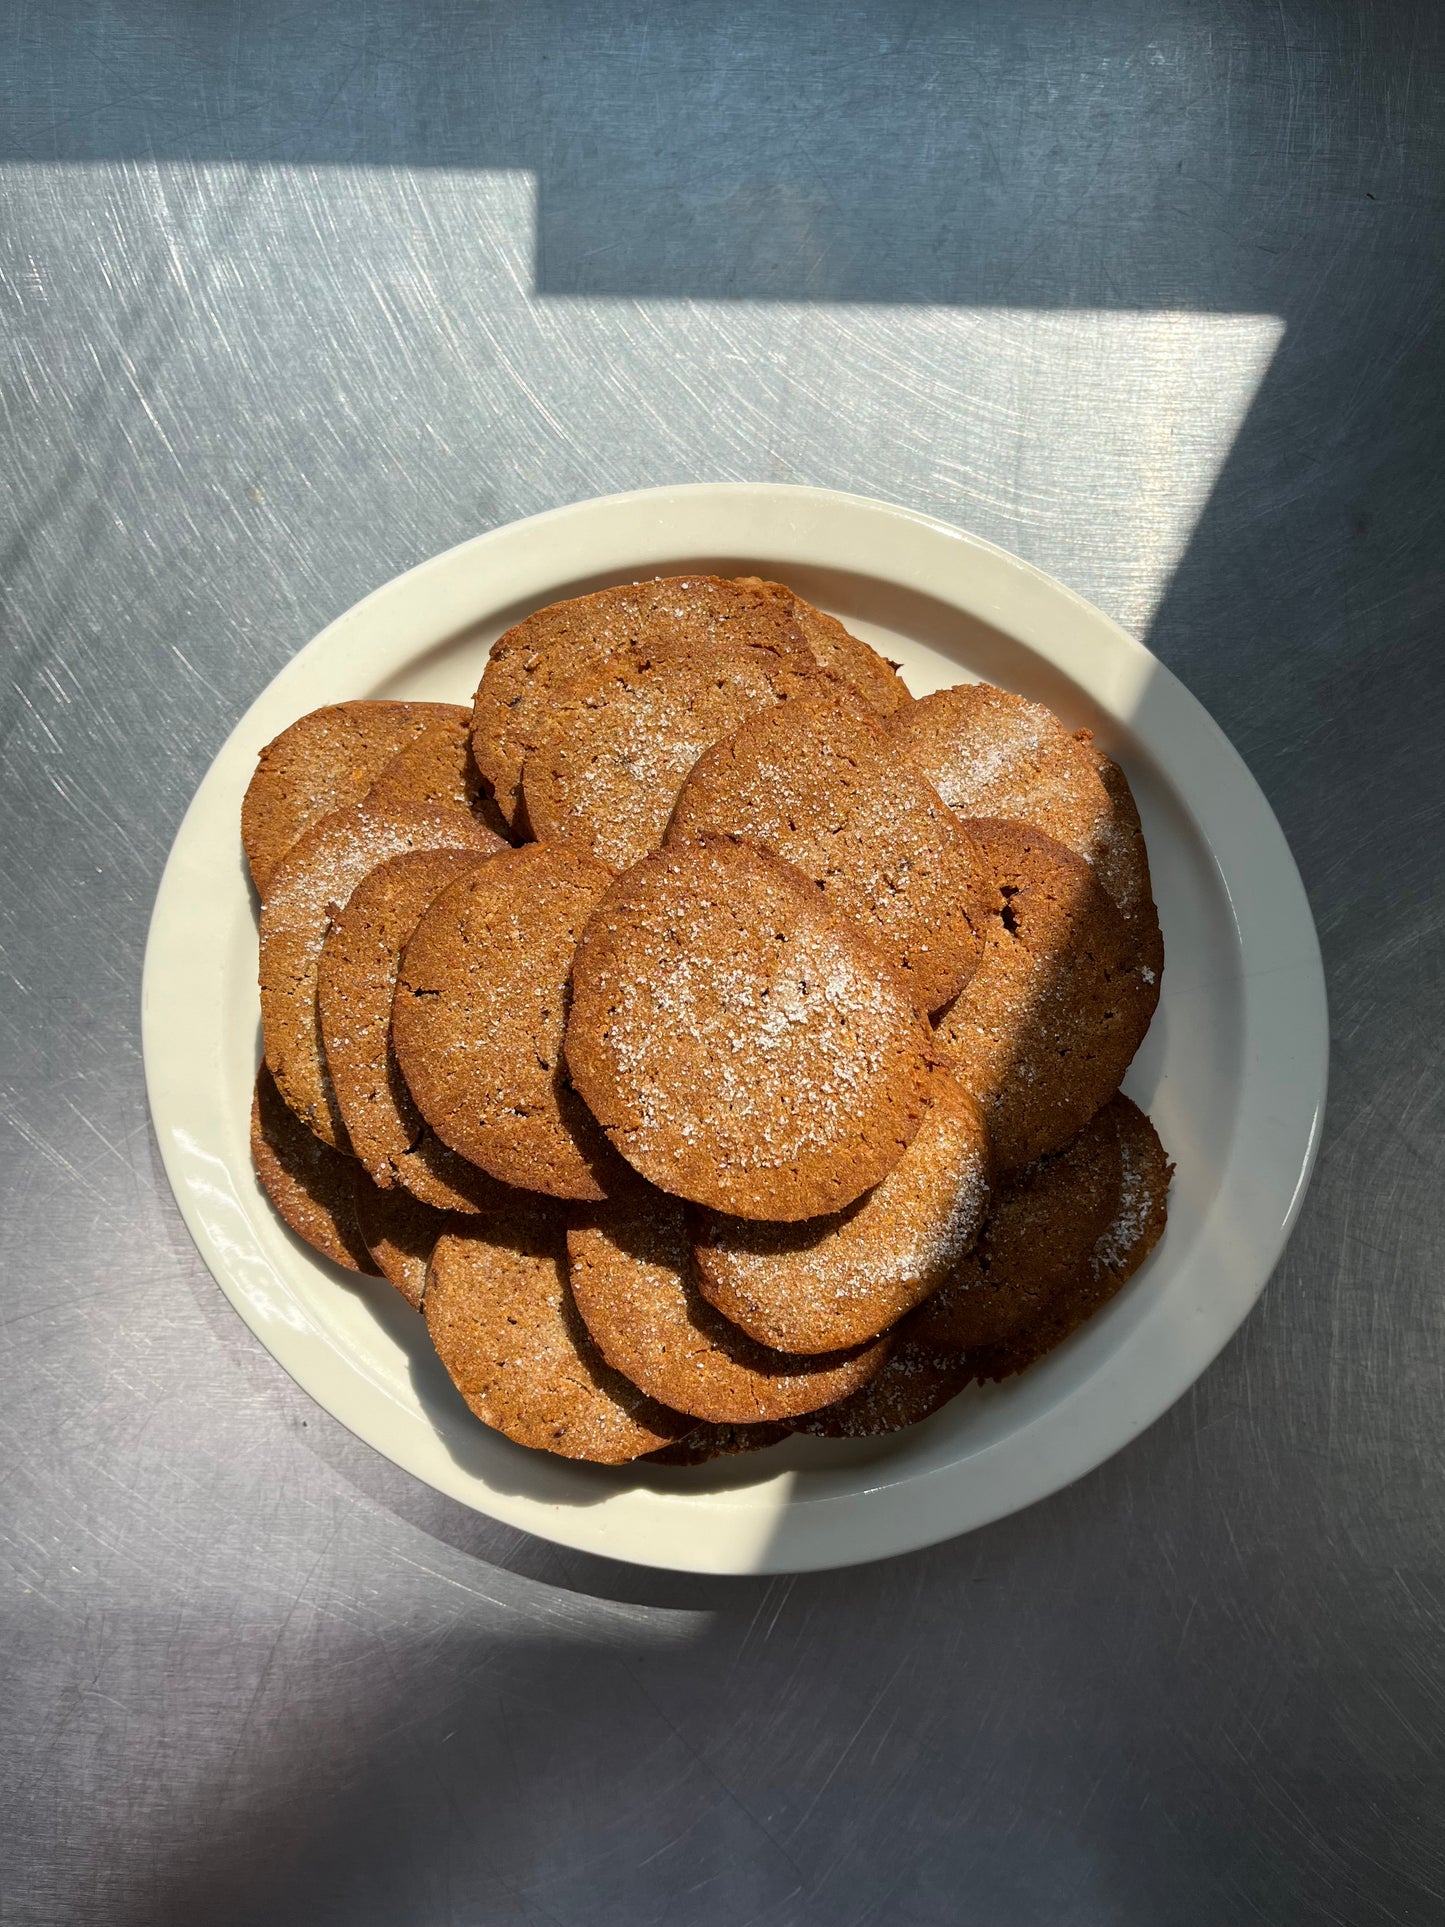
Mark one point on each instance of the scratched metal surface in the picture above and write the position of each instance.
(296, 295)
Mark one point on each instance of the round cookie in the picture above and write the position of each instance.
(743, 1047)
(840, 1280)
(915, 1382)
(1121, 860)
(532, 662)
(1039, 1234)
(356, 983)
(818, 782)
(401, 1232)
(438, 771)
(1138, 1223)
(990, 753)
(1046, 1028)
(705, 1442)
(1134, 1229)
(616, 744)
(307, 889)
(631, 1272)
(477, 1021)
(325, 761)
(309, 1183)
(876, 679)
(500, 1314)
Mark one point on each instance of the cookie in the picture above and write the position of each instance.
(308, 888)
(915, 1382)
(356, 983)
(1046, 1028)
(1039, 1235)
(499, 1311)
(876, 679)
(617, 743)
(438, 771)
(840, 1280)
(401, 1232)
(323, 762)
(1121, 860)
(631, 1272)
(477, 1020)
(706, 1442)
(309, 1183)
(991, 753)
(532, 662)
(819, 783)
(741, 1045)
(1135, 1227)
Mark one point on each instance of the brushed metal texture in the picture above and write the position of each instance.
(295, 296)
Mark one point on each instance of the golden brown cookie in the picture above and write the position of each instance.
(915, 1382)
(477, 1021)
(991, 753)
(1045, 1030)
(500, 1313)
(838, 1281)
(818, 782)
(532, 662)
(1039, 1235)
(308, 888)
(325, 761)
(356, 983)
(705, 1442)
(1121, 860)
(1135, 1227)
(741, 1045)
(309, 1183)
(438, 771)
(401, 1233)
(876, 679)
(616, 744)
(631, 1272)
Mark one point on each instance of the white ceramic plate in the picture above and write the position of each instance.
(1232, 1072)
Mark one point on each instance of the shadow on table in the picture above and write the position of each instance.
(1004, 1715)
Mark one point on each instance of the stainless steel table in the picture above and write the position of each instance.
(298, 294)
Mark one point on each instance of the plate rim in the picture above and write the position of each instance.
(778, 516)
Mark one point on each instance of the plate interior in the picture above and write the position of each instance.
(1232, 1071)
(1185, 1075)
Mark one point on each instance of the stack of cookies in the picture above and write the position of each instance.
(707, 1039)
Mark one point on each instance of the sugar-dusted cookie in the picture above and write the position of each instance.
(1044, 1031)
(1121, 860)
(356, 983)
(532, 662)
(325, 761)
(1039, 1234)
(741, 1045)
(617, 743)
(310, 1185)
(915, 1382)
(500, 1313)
(819, 783)
(481, 999)
(310, 886)
(438, 771)
(834, 648)
(840, 1280)
(991, 753)
(631, 1271)
(1135, 1227)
